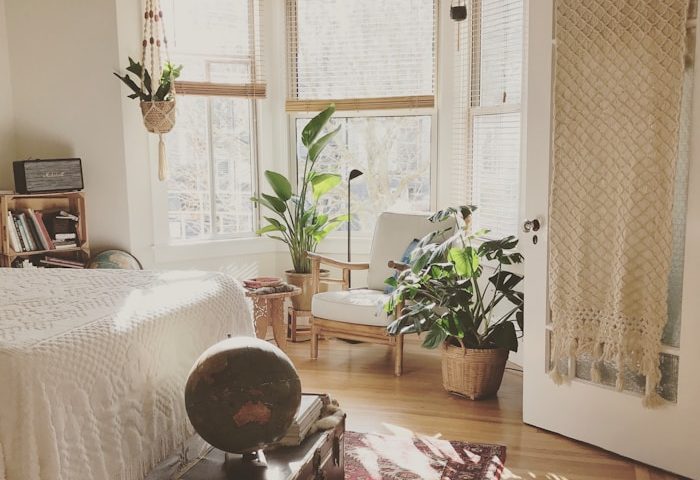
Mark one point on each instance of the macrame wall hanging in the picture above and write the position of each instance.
(617, 95)
(156, 76)
(159, 111)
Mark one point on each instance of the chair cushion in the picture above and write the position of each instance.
(392, 233)
(360, 306)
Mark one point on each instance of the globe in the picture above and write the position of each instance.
(115, 259)
(242, 394)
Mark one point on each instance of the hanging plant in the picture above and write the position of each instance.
(157, 101)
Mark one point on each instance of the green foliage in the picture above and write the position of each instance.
(445, 294)
(164, 90)
(299, 224)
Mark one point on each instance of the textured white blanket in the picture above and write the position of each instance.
(93, 365)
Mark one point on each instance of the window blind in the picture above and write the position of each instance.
(486, 145)
(220, 44)
(361, 55)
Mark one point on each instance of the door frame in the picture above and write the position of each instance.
(666, 437)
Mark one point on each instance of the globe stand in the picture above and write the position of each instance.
(250, 466)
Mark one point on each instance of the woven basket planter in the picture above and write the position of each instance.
(158, 117)
(473, 373)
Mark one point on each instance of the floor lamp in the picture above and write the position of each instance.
(354, 173)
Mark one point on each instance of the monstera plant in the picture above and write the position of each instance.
(297, 219)
(460, 293)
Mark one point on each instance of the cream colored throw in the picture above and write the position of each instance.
(618, 81)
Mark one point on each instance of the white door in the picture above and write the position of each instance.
(666, 437)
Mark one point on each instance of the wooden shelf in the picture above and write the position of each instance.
(12, 253)
(73, 202)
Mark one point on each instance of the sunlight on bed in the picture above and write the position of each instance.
(177, 290)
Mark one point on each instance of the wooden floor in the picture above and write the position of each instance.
(360, 378)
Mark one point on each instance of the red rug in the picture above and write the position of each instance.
(370, 456)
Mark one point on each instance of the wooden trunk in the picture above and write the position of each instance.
(320, 456)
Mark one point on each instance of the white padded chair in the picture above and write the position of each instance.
(358, 314)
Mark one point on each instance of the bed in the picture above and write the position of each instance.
(93, 365)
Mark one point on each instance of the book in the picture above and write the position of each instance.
(12, 233)
(38, 229)
(51, 263)
(65, 236)
(305, 418)
(33, 232)
(26, 233)
(44, 230)
(64, 261)
(68, 215)
(64, 245)
(18, 229)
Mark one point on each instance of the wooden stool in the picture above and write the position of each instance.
(297, 333)
(269, 310)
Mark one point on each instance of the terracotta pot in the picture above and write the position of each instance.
(303, 281)
(473, 373)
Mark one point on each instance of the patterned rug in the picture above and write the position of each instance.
(370, 456)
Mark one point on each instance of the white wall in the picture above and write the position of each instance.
(66, 100)
(7, 129)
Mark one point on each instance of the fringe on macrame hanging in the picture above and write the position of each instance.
(569, 349)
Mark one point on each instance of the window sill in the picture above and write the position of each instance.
(230, 247)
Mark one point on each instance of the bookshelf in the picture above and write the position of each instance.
(73, 202)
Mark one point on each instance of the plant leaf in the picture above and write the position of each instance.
(315, 125)
(277, 205)
(465, 260)
(279, 184)
(322, 183)
(503, 335)
(435, 337)
(318, 146)
(267, 229)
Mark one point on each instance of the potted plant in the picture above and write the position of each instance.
(157, 101)
(446, 293)
(297, 218)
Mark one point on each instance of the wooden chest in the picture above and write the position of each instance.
(319, 457)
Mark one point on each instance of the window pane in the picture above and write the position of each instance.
(233, 164)
(499, 40)
(496, 172)
(362, 48)
(211, 132)
(393, 153)
(211, 38)
(189, 201)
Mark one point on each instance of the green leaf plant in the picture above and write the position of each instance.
(446, 293)
(163, 91)
(297, 220)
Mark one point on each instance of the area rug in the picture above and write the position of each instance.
(370, 456)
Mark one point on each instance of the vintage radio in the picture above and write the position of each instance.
(48, 176)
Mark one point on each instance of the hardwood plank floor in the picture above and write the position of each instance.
(360, 377)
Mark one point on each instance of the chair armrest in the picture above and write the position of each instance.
(338, 263)
(399, 266)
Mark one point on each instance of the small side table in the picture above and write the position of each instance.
(269, 310)
(296, 332)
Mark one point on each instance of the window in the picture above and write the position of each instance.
(376, 62)
(211, 150)
(487, 123)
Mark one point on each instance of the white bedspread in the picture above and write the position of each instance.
(93, 365)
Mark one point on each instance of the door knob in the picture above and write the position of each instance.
(531, 225)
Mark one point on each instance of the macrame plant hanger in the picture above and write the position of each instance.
(158, 116)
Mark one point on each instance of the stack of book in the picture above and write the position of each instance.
(37, 231)
(308, 413)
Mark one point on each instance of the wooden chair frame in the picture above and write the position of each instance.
(349, 331)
